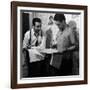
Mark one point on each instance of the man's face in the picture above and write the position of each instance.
(60, 25)
(37, 27)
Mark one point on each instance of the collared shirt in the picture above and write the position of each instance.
(65, 39)
(28, 41)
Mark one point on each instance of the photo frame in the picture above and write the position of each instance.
(17, 8)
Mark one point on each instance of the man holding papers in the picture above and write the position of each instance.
(61, 63)
(33, 41)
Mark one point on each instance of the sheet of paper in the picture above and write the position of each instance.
(35, 51)
(35, 55)
(48, 51)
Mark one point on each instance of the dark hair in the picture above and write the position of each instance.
(36, 20)
(59, 17)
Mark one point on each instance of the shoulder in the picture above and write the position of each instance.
(27, 33)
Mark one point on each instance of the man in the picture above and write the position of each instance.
(33, 41)
(65, 44)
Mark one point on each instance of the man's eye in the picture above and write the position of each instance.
(38, 26)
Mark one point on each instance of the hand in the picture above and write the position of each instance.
(40, 57)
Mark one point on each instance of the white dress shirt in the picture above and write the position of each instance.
(29, 41)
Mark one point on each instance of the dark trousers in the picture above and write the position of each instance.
(65, 67)
(37, 69)
(34, 69)
(76, 62)
(40, 68)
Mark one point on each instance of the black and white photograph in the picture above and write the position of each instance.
(50, 44)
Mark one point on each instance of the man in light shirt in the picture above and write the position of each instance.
(62, 63)
(33, 42)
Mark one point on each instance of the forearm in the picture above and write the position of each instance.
(73, 47)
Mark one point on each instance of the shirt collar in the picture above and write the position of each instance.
(33, 33)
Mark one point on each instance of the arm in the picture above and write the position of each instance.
(25, 45)
(73, 42)
(26, 40)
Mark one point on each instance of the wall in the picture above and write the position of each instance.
(5, 45)
(45, 18)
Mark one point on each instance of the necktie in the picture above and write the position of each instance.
(36, 44)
